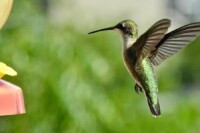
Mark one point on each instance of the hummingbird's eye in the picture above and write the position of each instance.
(123, 25)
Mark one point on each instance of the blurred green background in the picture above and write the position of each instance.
(75, 83)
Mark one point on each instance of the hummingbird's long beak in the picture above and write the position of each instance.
(109, 28)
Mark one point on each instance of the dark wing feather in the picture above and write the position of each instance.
(174, 41)
(147, 42)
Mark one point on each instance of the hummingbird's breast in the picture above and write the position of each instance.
(130, 62)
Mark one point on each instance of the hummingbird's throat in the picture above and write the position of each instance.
(128, 41)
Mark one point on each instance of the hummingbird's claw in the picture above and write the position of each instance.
(138, 89)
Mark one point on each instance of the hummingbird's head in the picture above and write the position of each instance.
(126, 28)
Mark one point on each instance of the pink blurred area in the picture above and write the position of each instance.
(11, 99)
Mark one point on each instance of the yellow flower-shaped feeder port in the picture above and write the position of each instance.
(6, 70)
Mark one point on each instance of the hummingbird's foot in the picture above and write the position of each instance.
(138, 88)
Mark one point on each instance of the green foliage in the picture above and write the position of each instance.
(75, 83)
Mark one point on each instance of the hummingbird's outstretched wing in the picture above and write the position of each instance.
(174, 41)
(147, 42)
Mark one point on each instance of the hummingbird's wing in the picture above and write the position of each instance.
(174, 41)
(147, 42)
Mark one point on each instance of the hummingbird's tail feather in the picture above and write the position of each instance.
(154, 108)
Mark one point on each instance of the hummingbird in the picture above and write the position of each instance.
(141, 54)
